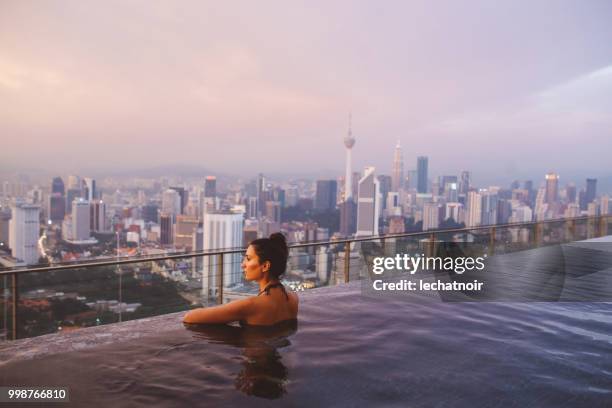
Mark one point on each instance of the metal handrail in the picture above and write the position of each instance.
(220, 254)
(195, 254)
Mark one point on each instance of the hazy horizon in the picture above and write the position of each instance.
(507, 91)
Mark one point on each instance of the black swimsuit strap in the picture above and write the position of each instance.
(266, 290)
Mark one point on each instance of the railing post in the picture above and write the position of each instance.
(491, 240)
(537, 234)
(347, 261)
(220, 279)
(601, 228)
(15, 300)
(571, 229)
(430, 247)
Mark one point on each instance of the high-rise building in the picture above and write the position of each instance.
(71, 195)
(97, 216)
(570, 192)
(273, 211)
(57, 186)
(222, 230)
(210, 186)
(81, 222)
(166, 221)
(171, 202)
(278, 194)
(393, 207)
(198, 246)
(291, 196)
(368, 204)
(183, 233)
(252, 209)
(474, 212)
(349, 142)
(89, 189)
(150, 213)
(504, 211)
(397, 175)
(326, 195)
(385, 183)
(488, 208)
(591, 190)
(75, 183)
(422, 163)
(455, 211)
(183, 198)
(57, 207)
(451, 193)
(261, 188)
(5, 219)
(24, 229)
(604, 205)
(552, 188)
(431, 216)
(348, 214)
(464, 182)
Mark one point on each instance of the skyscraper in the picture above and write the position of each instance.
(57, 207)
(97, 216)
(273, 211)
(166, 221)
(570, 193)
(81, 223)
(591, 190)
(171, 202)
(24, 228)
(326, 195)
(183, 198)
(210, 186)
(397, 176)
(431, 216)
(222, 229)
(552, 188)
(89, 189)
(368, 204)
(261, 188)
(57, 186)
(474, 213)
(488, 208)
(422, 174)
(71, 195)
(348, 214)
(464, 182)
(385, 188)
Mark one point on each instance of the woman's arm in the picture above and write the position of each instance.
(229, 312)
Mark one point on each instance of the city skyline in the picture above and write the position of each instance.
(240, 89)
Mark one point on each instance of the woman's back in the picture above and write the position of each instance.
(273, 307)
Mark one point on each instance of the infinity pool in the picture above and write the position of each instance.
(347, 350)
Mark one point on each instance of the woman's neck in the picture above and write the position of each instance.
(265, 282)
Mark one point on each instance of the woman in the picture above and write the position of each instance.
(265, 261)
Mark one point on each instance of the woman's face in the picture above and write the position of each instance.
(253, 269)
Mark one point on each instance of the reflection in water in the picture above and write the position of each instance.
(263, 374)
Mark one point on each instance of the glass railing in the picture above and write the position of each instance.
(61, 298)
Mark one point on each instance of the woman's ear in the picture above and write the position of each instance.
(266, 266)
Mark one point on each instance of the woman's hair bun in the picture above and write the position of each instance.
(278, 237)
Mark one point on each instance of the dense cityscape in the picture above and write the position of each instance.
(78, 218)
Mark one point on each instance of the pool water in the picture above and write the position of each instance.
(346, 350)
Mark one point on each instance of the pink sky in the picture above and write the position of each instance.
(243, 87)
